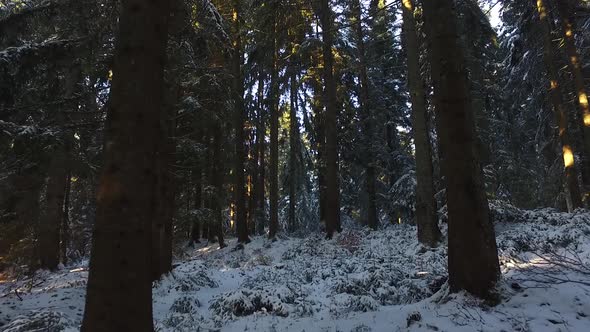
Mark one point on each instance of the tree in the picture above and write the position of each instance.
(472, 254)
(426, 217)
(572, 189)
(260, 136)
(274, 131)
(119, 284)
(293, 149)
(367, 119)
(239, 186)
(574, 63)
(331, 115)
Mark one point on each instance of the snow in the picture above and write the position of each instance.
(359, 281)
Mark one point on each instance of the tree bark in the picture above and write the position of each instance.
(65, 223)
(426, 217)
(119, 284)
(572, 189)
(293, 148)
(320, 140)
(274, 138)
(331, 119)
(239, 185)
(370, 218)
(218, 185)
(261, 133)
(196, 226)
(472, 254)
(27, 184)
(52, 218)
(169, 188)
(574, 63)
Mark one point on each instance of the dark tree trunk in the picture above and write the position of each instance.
(27, 184)
(320, 132)
(332, 186)
(168, 189)
(261, 133)
(51, 219)
(472, 32)
(197, 199)
(195, 227)
(370, 218)
(239, 186)
(65, 223)
(567, 24)
(210, 201)
(119, 296)
(426, 218)
(165, 190)
(254, 174)
(274, 139)
(473, 258)
(293, 150)
(572, 189)
(217, 179)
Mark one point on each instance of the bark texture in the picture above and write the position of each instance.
(331, 122)
(260, 136)
(426, 217)
(370, 217)
(239, 120)
(574, 62)
(572, 189)
(274, 138)
(472, 254)
(119, 296)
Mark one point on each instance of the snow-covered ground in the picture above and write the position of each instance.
(360, 281)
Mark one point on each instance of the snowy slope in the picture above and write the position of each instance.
(360, 281)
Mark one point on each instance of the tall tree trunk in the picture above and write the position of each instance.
(196, 225)
(27, 184)
(239, 185)
(197, 199)
(426, 218)
(320, 131)
(370, 218)
(65, 220)
(169, 189)
(567, 24)
(332, 185)
(274, 138)
(472, 254)
(218, 185)
(293, 149)
(52, 218)
(572, 189)
(164, 212)
(471, 29)
(119, 296)
(254, 173)
(261, 133)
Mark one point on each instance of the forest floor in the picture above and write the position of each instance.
(359, 281)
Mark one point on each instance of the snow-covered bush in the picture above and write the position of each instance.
(188, 277)
(183, 315)
(41, 321)
(544, 230)
(345, 303)
(244, 302)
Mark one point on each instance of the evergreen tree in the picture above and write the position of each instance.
(126, 195)
(426, 217)
(470, 227)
